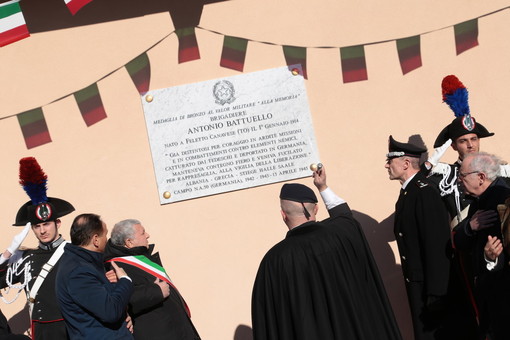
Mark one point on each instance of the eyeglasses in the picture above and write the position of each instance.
(463, 175)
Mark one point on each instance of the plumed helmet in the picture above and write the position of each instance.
(455, 95)
(40, 208)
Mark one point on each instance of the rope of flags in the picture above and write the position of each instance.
(352, 58)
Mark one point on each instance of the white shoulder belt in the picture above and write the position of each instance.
(45, 270)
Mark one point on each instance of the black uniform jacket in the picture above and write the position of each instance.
(449, 200)
(321, 282)
(423, 236)
(154, 318)
(47, 321)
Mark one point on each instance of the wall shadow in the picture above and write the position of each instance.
(243, 332)
(20, 321)
(378, 236)
(49, 15)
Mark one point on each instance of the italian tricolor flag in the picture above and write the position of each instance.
(409, 53)
(139, 70)
(12, 23)
(34, 128)
(466, 35)
(188, 45)
(354, 66)
(90, 104)
(296, 55)
(234, 53)
(75, 5)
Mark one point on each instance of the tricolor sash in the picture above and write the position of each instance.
(154, 269)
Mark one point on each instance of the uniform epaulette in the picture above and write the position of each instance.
(420, 184)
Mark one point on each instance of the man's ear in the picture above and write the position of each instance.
(406, 164)
(58, 223)
(284, 215)
(315, 209)
(482, 176)
(95, 240)
(454, 146)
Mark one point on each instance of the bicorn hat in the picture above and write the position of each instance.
(455, 95)
(40, 208)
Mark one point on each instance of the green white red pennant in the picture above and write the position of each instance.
(12, 23)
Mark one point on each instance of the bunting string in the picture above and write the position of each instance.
(365, 43)
(352, 60)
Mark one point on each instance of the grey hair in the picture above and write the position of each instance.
(487, 163)
(122, 231)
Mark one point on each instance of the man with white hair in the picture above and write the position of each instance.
(479, 176)
(157, 308)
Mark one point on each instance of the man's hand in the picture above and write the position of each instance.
(483, 219)
(119, 272)
(129, 323)
(110, 275)
(165, 288)
(319, 179)
(493, 248)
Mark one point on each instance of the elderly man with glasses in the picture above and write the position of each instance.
(479, 176)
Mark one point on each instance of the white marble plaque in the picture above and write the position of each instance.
(229, 134)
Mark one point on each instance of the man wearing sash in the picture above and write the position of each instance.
(156, 306)
(34, 269)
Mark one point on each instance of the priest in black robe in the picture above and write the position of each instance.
(321, 281)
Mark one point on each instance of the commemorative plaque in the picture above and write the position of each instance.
(229, 134)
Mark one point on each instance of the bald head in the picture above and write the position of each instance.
(293, 213)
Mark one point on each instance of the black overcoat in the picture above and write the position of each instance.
(154, 318)
(321, 282)
(422, 233)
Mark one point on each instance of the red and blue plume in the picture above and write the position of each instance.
(455, 95)
(33, 179)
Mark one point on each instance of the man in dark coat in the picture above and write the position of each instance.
(479, 176)
(93, 307)
(321, 281)
(26, 267)
(465, 134)
(423, 238)
(158, 310)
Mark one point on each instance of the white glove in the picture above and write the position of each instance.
(439, 152)
(18, 239)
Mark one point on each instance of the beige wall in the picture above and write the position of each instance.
(212, 246)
